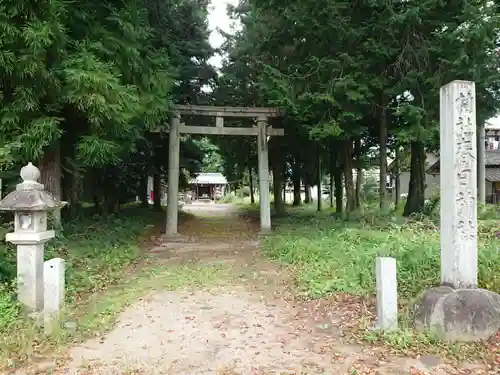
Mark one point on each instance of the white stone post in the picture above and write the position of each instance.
(387, 294)
(264, 196)
(54, 284)
(30, 204)
(458, 180)
(173, 176)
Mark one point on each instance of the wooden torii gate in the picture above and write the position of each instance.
(261, 130)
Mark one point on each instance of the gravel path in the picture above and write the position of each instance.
(233, 329)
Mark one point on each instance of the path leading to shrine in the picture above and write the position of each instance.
(245, 322)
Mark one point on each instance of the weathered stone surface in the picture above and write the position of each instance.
(459, 314)
(30, 276)
(29, 200)
(54, 284)
(458, 184)
(29, 194)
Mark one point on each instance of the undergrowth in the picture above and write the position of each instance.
(329, 254)
(99, 252)
(334, 255)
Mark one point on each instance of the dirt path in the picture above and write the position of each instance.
(249, 324)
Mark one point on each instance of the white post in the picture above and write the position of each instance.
(173, 176)
(264, 197)
(458, 174)
(54, 283)
(387, 294)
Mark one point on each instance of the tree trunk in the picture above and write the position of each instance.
(284, 192)
(359, 188)
(297, 197)
(348, 177)
(332, 173)
(337, 178)
(416, 188)
(331, 188)
(383, 154)
(111, 198)
(250, 176)
(50, 176)
(397, 173)
(74, 192)
(359, 173)
(278, 173)
(307, 195)
(143, 191)
(157, 191)
(320, 178)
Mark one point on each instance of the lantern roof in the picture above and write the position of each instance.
(29, 195)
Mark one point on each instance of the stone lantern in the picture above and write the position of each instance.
(30, 204)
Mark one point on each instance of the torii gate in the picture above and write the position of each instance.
(262, 131)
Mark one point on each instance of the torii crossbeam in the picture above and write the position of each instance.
(262, 131)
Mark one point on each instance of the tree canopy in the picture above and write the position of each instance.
(359, 79)
(85, 83)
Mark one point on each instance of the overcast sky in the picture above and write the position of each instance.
(218, 18)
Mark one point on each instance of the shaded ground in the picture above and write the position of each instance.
(249, 323)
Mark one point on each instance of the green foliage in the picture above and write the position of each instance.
(331, 255)
(95, 249)
(212, 160)
(84, 83)
(99, 252)
(88, 70)
(10, 308)
(342, 70)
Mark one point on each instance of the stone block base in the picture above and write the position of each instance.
(459, 314)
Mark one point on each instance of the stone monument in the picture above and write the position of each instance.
(30, 204)
(458, 310)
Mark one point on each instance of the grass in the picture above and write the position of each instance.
(100, 255)
(332, 255)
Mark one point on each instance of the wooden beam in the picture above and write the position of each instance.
(207, 110)
(210, 130)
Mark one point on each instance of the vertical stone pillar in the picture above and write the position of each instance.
(30, 273)
(458, 166)
(173, 176)
(481, 166)
(264, 199)
(387, 293)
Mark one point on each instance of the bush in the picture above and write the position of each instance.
(9, 307)
(338, 256)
